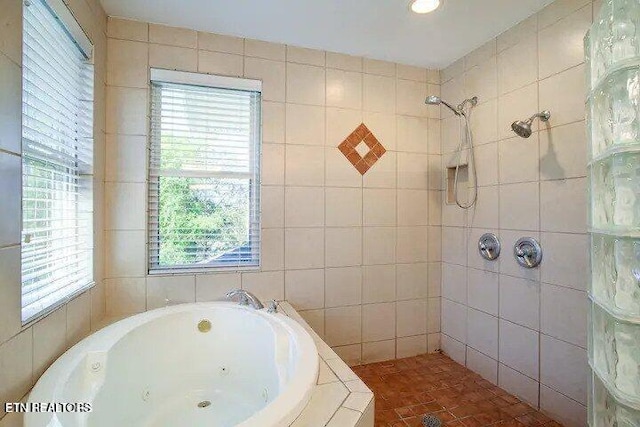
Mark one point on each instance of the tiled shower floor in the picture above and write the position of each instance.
(408, 389)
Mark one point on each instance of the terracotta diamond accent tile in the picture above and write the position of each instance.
(362, 135)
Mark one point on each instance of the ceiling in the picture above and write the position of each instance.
(379, 29)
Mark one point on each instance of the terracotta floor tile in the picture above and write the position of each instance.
(472, 422)
(464, 411)
(413, 421)
(492, 416)
(387, 415)
(509, 423)
(530, 421)
(433, 384)
(518, 409)
(405, 412)
(539, 416)
(444, 416)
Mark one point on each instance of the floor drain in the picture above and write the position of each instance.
(204, 404)
(431, 421)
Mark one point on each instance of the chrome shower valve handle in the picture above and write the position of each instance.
(528, 252)
(524, 252)
(489, 246)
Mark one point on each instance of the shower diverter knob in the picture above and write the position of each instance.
(528, 252)
(489, 246)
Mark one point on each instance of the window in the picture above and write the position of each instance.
(204, 175)
(57, 157)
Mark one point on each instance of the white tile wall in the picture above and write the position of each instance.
(520, 301)
(483, 290)
(532, 187)
(359, 256)
(11, 186)
(564, 409)
(561, 368)
(411, 346)
(26, 351)
(482, 364)
(482, 332)
(518, 384)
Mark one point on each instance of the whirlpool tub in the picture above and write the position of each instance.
(207, 364)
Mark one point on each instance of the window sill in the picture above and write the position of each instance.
(207, 270)
(39, 315)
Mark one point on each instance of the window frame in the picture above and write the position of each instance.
(158, 75)
(64, 17)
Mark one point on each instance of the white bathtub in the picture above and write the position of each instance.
(158, 369)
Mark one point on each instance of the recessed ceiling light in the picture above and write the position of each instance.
(424, 6)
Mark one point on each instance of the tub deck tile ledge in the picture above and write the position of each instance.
(340, 398)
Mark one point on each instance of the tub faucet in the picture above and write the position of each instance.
(245, 298)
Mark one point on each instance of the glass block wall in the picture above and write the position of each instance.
(612, 49)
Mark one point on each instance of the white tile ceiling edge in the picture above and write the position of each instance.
(378, 29)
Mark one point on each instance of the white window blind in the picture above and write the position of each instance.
(57, 158)
(204, 177)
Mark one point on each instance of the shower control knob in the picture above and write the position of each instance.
(489, 246)
(528, 252)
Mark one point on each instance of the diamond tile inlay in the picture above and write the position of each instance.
(362, 163)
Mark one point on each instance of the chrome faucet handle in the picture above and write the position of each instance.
(245, 298)
(240, 294)
(273, 307)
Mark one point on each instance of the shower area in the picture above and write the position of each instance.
(515, 174)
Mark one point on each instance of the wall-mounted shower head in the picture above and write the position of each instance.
(523, 128)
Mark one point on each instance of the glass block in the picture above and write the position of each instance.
(587, 60)
(625, 38)
(614, 353)
(615, 193)
(605, 411)
(615, 280)
(615, 37)
(614, 111)
(612, 58)
(601, 36)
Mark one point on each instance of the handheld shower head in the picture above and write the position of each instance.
(459, 110)
(436, 100)
(433, 100)
(523, 128)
